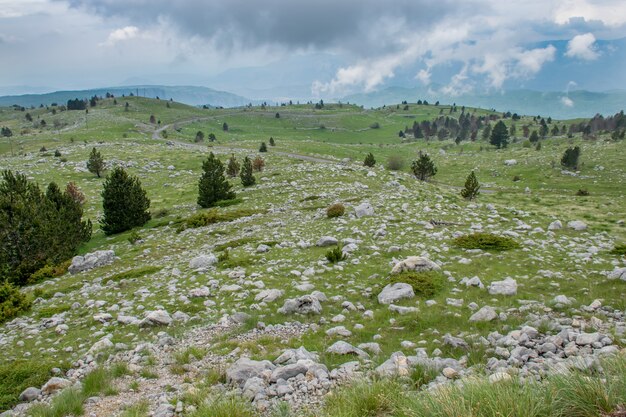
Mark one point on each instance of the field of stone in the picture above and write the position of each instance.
(246, 316)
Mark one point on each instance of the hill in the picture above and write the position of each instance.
(192, 95)
(265, 305)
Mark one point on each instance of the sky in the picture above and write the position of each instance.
(477, 44)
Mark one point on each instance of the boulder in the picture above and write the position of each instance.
(245, 368)
(202, 261)
(364, 209)
(345, 348)
(291, 356)
(505, 287)
(555, 225)
(484, 314)
(288, 371)
(577, 225)
(91, 261)
(617, 273)
(269, 295)
(30, 394)
(326, 241)
(415, 263)
(158, 318)
(394, 292)
(306, 304)
(396, 365)
(510, 162)
(55, 384)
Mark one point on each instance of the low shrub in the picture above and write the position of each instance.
(486, 241)
(335, 255)
(426, 283)
(133, 273)
(517, 178)
(49, 271)
(582, 192)
(134, 237)
(395, 163)
(212, 216)
(335, 210)
(12, 301)
(619, 250)
(18, 375)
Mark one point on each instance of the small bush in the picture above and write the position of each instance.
(582, 192)
(486, 241)
(395, 163)
(160, 213)
(336, 210)
(12, 301)
(133, 273)
(619, 250)
(375, 125)
(335, 255)
(134, 237)
(50, 271)
(18, 375)
(426, 283)
(369, 161)
(517, 178)
(57, 153)
(258, 164)
(212, 216)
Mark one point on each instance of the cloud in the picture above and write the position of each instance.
(120, 35)
(567, 102)
(582, 46)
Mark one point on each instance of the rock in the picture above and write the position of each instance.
(587, 338)
(91, 261)
(396, 365)
(55, 384)
(394, 292)
(555, 225)
(506, 287)
(364, 209)
(288, 371)
(499, 377)
(201, 292)
(403, 310)
(339, 330)
(306, 304)
(415, 263)
(164, 410)
(455, 342)
(326, 241)
(102, 344)
(449, 373)
(253, 387)
(291, 356)
(30, 394)
(577, 225)
(158, 318)
(562, 299)
(122, 319)
(617, 273)
(472, 282)
(484, 314)
(510, 162)
(202, 261)
(262, 248)
(269, 295)
(344, 348)
(372, 347)
(244, 369)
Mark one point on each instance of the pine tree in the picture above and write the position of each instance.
(95, 164)
(534, 137)
(369, 160)
(471, 187)
(272, 143)
(423, 168)
(263, 147)
(213, 186)
(124, 202)
(486, 132)
(499, 135)
(570, 158)
(247, 179)
(232, 169)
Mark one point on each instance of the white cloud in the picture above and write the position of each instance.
(610, 12)
(582, 46)
(567, 102)
(424, 76)
(120, 35)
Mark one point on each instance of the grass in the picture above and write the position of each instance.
(576, 393)
(425, 284)
(224, 406)
(140, 409)
(133, 273)
(486, 241)
(213, 216)
(19, 375)
(68, 403)
(99, 381)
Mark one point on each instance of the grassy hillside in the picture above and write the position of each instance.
(317, 161)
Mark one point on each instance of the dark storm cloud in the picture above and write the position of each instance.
(348, 24)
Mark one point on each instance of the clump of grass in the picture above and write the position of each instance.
(133, 273)
(335, 255)
(99, 381)
(619, 250)
(485, 241)
(365, 398)
(582, 192)
(233, 243)
(18, 375)
(51, 310)
(310, 198)
(335, 210)
(224, 406)
(422, 375)
(120, 369)
(215, 376)
(425, 283)
(134, 237)
(68, 403)
(213, 216)
(137, 410)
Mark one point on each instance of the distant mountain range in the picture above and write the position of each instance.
(195, 96)
(575, 104)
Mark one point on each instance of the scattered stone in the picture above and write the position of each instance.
(202, 262)
(394, 292)
(91, 261)
(304, 305)
(364, 209)
(415, 263)
(486, 313)
(506, 287)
